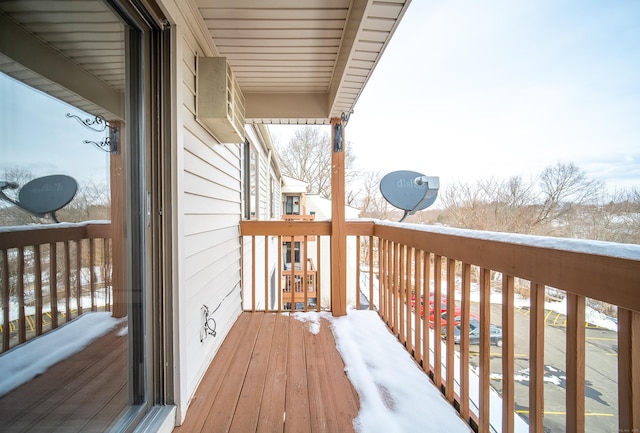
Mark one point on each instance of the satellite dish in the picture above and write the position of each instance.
(409, 190)
(44, 195)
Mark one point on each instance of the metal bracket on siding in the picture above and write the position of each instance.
(99, 124)
(208, 324)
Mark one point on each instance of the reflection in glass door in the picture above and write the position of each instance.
(71, 235)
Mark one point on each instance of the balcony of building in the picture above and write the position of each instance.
(269, 366)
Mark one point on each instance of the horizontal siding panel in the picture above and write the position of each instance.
(203, 241)
(197, 223)
(203, 268)
(216, 169)
(226, 157)
(194, 204)
(207, 188)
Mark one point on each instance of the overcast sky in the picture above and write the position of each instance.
(469, 90)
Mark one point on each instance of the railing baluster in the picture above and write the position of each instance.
(392, 286)
(371, 274)
(279, 274)
(358, 261)
(426, 290)
(508, 383)
(4, 301)
(575, 362)
(384, 287)
(266, 273)
(253, 273)
(451, 319)
(628, 370)
(292, 282)
(22, 326)
(37, 270)
(464, 341)
(410, 290)
(53, 283)
(305, 281)
(318, 273)
(106, 266)
(437, 317)
(536, 358)
(484, 361)
(417, 351)
(402, 290)
(78, 276)
(67, 280)
(92, 275)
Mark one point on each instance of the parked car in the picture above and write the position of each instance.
(443, 318)
(495, 333)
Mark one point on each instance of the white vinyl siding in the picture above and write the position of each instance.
(207, 218)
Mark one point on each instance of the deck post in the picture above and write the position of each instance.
(118, 251)
(338, 225)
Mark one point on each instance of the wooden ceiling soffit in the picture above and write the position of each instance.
(19, 45)
(356, 42)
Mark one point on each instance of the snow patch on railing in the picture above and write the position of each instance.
(30, 227)
(601, 248)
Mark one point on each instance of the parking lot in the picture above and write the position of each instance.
(601, 372)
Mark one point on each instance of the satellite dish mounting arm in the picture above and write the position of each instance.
(433, 185)
(7, 185)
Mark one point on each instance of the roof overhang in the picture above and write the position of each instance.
(301, 62)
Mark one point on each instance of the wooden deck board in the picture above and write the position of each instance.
(72, 394)
(272, 406)
(221, 413)
(245, 418)
(204, 396)
(297, 394)
(272, 374)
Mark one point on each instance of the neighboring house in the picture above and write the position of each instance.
(186, 87)
(321, 207)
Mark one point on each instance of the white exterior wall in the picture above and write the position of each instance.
(206, 211)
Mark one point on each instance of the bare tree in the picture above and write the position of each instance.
(11, 215)
(555, 202)
(372, 204)
(562, 188)
(307, 157)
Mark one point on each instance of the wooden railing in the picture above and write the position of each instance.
(268, 265)
(50, 274)
(413, 262)
(294, 288)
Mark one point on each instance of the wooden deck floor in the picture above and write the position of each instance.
(83, 393)
(272, 374)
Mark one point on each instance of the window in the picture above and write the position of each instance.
(254, 197)
(251, 179)
(272, 195)
(251, 182)
(293, 205)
